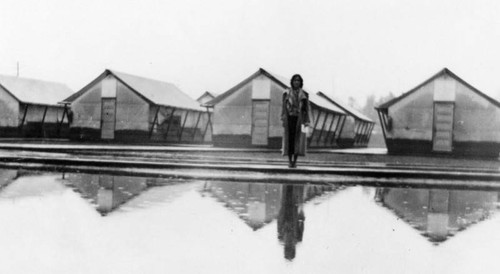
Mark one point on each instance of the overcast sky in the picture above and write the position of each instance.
(343, 48)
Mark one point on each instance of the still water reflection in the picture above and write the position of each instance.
(260, 204)
(438, 213)
(118, 224)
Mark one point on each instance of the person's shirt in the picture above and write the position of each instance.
(293, 102)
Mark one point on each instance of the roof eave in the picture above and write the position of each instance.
(326, 109)
(342, 107)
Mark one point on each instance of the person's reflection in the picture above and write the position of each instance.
(291, 218)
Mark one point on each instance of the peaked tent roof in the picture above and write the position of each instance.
(207, 96)
(207, 93)
(444, 71)
(313, 98)
(352, 111)
(153, 91)
(34, 91)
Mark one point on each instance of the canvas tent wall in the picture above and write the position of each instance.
(28, 108)
(121, 107)
(444, 115)
(357, 128)
(249, 114)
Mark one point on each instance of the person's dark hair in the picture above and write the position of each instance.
(297, 76)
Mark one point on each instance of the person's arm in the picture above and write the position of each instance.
(283, 108)
(306, 111)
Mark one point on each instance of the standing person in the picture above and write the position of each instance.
(295, 115)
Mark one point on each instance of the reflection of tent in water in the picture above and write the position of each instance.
(108, 192)
(166, 192)
(259, 204)
(21, 184)
(438, 213)
(7, 176)
(256, 204)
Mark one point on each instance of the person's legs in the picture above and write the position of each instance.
(295, 156)
(292, 129)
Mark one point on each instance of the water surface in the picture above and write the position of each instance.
(91, 223)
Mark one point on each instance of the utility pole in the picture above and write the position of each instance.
(17, 69)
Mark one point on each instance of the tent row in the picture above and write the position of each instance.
(113, 107)
(120, 107)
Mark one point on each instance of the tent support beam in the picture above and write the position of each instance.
(209, 123)
(170, 123)
(336, 117)
(154, 122)
(382, 125)
(24, 119)
(62, 120)
(329, 132)
(183, 124)
(363, 134)
(43, 120)
(196, 126)
(314, 128)
(340, 127)
(370, 132)
(322, 128)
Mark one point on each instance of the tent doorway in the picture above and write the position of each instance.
(442, 137)
(108, 118)
(260, 122)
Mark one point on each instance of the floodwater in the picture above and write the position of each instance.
(90, 223)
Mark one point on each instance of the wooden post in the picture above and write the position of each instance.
(43, 120)
(363, 132)
(209, 123)
(322, 128)
(196, 126)
(382, 125)
(183, 124)
(340, 127)
(61, 122)
(170, 123)
(359, 135)
(357, 130)
(362, 136)
(154, 122)
(365, 139)
(370, 132)
(24, 118)
(314, 128)
(330, 129)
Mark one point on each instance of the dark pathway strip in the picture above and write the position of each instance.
(264, 171)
